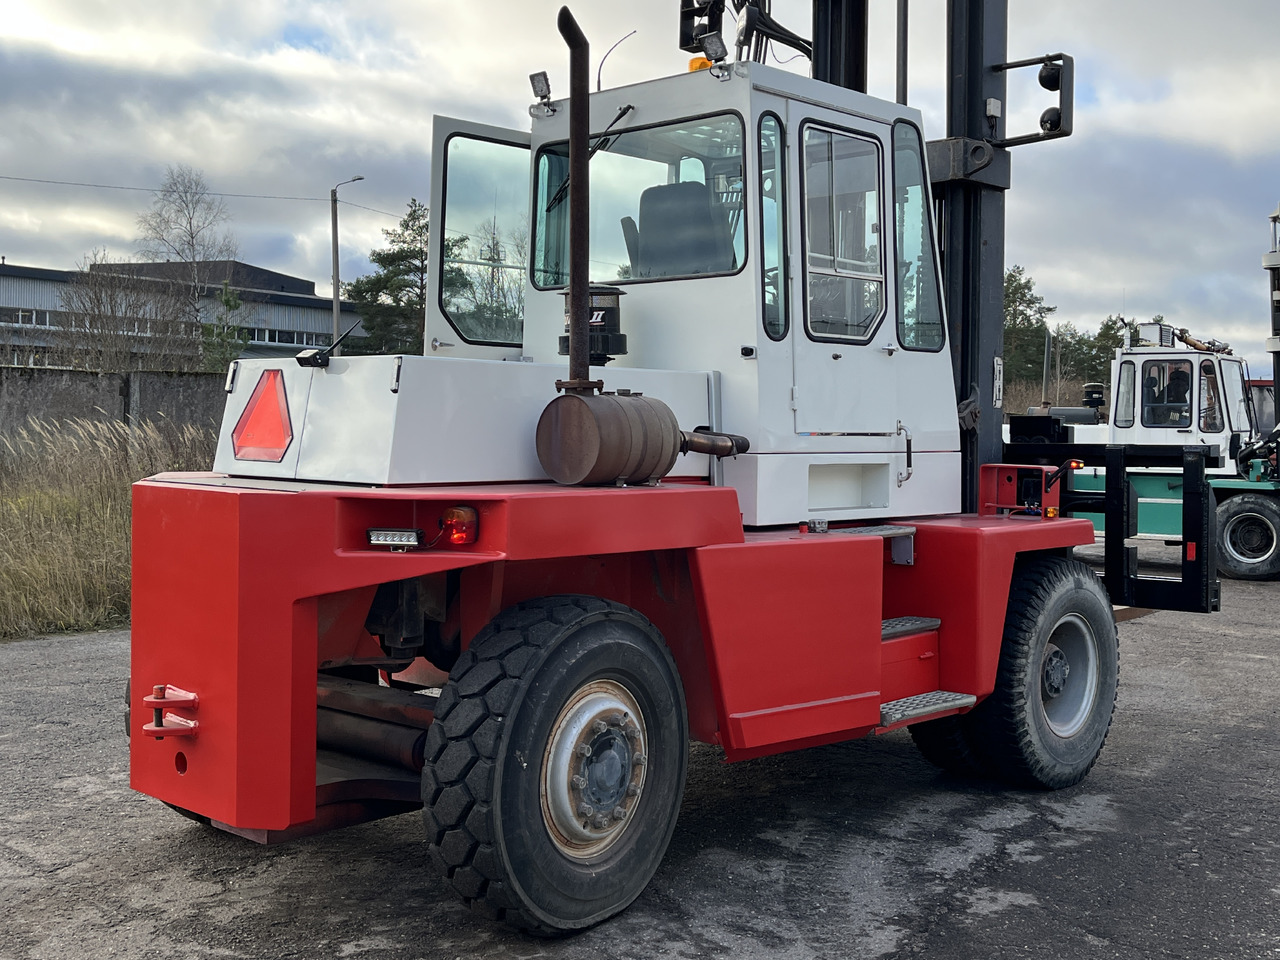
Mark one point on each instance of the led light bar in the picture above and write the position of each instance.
(394, 537)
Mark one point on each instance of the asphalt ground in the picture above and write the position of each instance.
(1170, 848)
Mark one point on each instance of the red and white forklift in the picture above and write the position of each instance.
(751, 511)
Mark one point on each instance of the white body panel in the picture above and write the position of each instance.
(852, 486)
(242, 377)
(1084, 432)
(450, 421)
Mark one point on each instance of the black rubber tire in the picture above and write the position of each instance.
(947, 743)
(190, 815)
(482, 783)
(1249, 537)
(1026, 736)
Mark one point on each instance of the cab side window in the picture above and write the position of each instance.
(1122, 416)
(486, 217)
(1211, 420)
(843, 236)
(773, 177)
(919, 304)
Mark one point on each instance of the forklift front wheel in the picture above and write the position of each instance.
(1046, 721)
(1249, 537)
(556, 763)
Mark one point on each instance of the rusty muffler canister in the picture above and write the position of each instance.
(591, 440)
(370, 739)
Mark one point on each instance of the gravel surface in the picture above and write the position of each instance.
(1168, 849)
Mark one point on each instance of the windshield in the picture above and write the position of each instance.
(1233, 386)
(1166, 388)
(665, 202)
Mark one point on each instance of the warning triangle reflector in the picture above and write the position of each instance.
(263, 431)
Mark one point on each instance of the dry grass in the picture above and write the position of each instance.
(65, 514)
(1020, 395)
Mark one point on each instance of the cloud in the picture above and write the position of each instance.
(1157, 204)
(1129, 224)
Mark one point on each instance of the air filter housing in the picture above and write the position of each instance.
(605, 337)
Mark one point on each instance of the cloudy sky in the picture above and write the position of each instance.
(1158, 203)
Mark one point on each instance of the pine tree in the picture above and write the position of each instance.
(392, 301)
(1025, 324)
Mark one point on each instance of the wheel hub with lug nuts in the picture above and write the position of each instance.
(1069, 675)
(593, 769)
(1056, 671)
(1249, 538)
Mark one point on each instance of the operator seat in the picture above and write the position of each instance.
(1175, 397)
(683, 230)
(1152, 396)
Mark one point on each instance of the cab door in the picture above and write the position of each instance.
(846, 347)
(479, 241)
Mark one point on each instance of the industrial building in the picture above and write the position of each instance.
(278, 315)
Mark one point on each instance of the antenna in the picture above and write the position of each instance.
(600, 68)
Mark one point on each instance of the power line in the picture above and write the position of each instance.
(394, 216)
(116, 186)
(212, 193)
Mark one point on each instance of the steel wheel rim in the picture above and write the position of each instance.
(1069, 675)
(1246, 534)
(589, 798)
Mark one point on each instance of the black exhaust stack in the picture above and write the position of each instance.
(586, 436)
(579, 207)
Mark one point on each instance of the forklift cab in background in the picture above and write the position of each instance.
(1187, 396)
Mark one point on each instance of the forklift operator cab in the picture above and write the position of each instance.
(1187, 396)
(768, 230)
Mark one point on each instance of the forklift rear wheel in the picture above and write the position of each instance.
(556, 763)
(189, 814)
(1249, 537)
(947, 743)
(1046, 721)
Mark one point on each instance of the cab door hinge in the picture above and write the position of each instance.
(795, 398)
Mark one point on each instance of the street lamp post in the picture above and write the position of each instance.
(337, 288)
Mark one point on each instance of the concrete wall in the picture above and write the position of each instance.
(26, 392)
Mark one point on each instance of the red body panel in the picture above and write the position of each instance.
(909, 665)
(226, 581)
(240, 592)
(961, 575)
(793, 623)
(656, 583)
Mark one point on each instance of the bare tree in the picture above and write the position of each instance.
(185, 226)
(113, 321)
(493, 294)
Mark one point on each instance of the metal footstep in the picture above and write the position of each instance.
(884, 530)
(905, 626)
(921, 705)
(902, 540)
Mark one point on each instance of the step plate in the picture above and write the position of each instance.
(905, 626)
(921, 705)
(884, 530)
